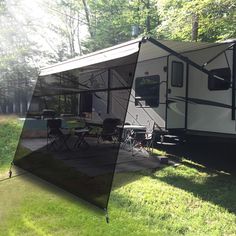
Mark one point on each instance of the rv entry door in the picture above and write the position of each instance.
(176, 93)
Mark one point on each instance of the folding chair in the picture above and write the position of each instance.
(81, 133)
(145, 140)
(55, 137)
(139, 138)
(109, 130)
(157, 133)
(150, 142)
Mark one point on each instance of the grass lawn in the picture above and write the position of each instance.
(183, 200)
(10, 130)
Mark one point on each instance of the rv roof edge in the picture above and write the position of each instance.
(229, 41)
(176, 48)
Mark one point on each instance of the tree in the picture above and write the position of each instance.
(64, 33)
(145, 14)
(107, 23)
(111, 22)
(205, 20)
(17, 69)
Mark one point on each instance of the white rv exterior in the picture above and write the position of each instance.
(191, 108)
(194, 84)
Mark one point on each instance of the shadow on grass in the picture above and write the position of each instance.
(218, 188)
(217, 156)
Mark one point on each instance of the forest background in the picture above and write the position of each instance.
(38, 33)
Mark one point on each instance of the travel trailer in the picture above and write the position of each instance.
(70, 133)
(185, 88)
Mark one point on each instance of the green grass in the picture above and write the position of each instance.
(10, 129)
(184, 200)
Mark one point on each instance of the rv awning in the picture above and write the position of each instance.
(101, 56)
(166, 47)
(106, 57)
(183, 47)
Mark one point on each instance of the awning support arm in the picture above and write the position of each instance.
(212, 59)
(183, 58)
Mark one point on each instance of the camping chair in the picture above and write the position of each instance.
(139, 138)
(145, 140)
(109, 130)
(55, 137)
(81, 133)
(150, 140)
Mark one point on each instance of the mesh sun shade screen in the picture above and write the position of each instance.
(70, 136)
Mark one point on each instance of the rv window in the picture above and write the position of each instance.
(177, 74)
(147, 91)
(218, 84)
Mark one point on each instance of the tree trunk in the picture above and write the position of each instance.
(148, 20)
(195, 20)
(78, 36)
(87, 14)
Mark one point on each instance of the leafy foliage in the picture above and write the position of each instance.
(10, 129)
(112, 21)
(74, 28)
(17, 69)
(216, 19)
(66, 28)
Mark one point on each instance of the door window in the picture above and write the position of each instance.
(177, 74)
